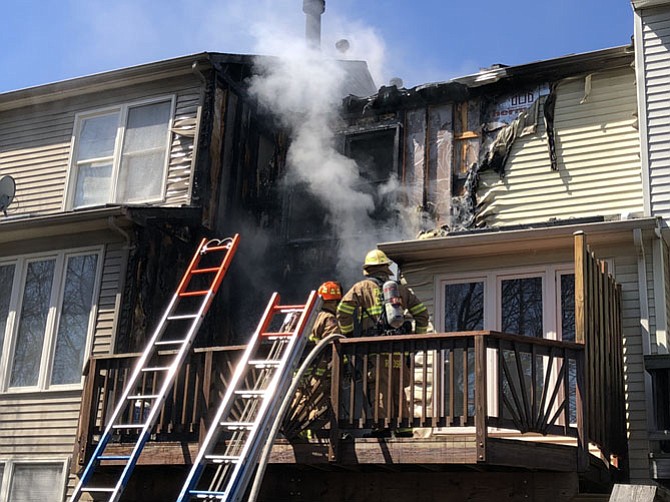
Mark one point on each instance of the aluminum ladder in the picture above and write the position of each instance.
(137, 410)
(242, 424)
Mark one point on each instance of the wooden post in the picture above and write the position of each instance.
(480, 397)
(87, 415)
(581, 282)
(206, 393)
(336, 364)
(580, 272)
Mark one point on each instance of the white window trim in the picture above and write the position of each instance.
(6, 357)
(492, 283)
(10, 464)
(122, 109)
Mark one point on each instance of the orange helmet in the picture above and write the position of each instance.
(330, 290)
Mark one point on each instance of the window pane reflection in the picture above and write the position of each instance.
(521, 303)
(6, 280)
(32, 323)
(74, 318)
(464, 306)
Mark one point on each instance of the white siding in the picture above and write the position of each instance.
(654, 70)
(35, 144)
(597, 147)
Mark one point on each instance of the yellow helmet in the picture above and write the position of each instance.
(376, 257)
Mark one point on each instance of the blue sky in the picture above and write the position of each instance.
(420, 41)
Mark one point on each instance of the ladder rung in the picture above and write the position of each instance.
(288, 309)
(128, 426)
(277, 335)
(141, 397)
(251, 393)
(170, 342)
(223, 459)
(237, 425)
(217, 248)
(181, 317)
(113, 457)
(194, 293)
(270, 363)
(201, 494)
(155, 368)
(98, 490)
(209, 270)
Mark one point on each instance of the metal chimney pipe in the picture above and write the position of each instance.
(313, 10)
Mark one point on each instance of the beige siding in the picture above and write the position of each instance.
(655, 71)
(110, 287)
(598, 159)
(35, 144)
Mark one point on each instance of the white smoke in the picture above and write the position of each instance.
(304, 89)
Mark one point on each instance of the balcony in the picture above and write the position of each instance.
(482, 399)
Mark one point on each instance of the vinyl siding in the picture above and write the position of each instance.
(655, 73)
(43, 425)
(597, 148)
(35, 144)
(423, 278)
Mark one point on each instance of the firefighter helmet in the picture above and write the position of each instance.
(376, 257)
(330, 290)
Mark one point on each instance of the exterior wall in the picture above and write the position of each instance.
(35, 144)
(652, 40)
(42, 425)
(423, 278)
(597, 147)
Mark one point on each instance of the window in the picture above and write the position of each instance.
(26, 481)
(538, 302)
(46, 320)
(120, 155)
(464, 306)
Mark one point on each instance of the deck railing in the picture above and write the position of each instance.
(483, 380)
(480, 379)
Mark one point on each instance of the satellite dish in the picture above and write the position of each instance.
(7, 190)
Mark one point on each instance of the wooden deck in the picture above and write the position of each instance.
(454, 450)
(468, 386)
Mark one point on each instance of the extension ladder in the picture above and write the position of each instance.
(184, 313)
(252, 399)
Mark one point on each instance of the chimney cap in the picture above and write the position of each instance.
(314, 7)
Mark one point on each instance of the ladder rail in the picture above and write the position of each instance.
(269, 407)
(279, 417)
(146, 423)
(213, 432)
(167, 384)
(292, 349)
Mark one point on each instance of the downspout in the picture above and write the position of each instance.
(644, 322)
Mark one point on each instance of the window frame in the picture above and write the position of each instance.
(492, 293)
(117, 155)
(10, 464)
(55, 307)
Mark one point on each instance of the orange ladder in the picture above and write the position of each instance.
(177, 330)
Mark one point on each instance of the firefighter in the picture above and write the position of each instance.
(326, 320)
(376, 306)
(362, 311)
(312, 402)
